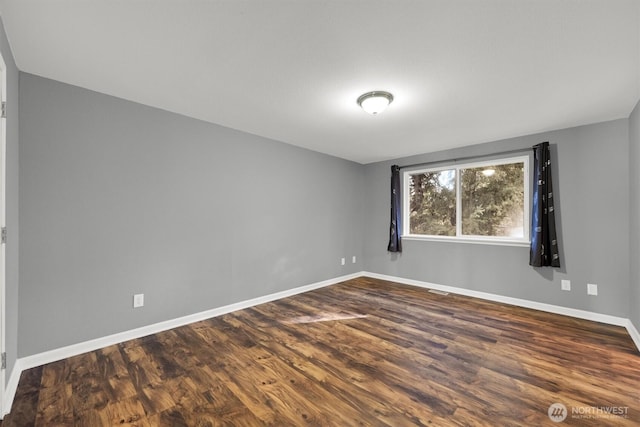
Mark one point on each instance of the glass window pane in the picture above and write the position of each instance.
(433, 203)
(493, 200)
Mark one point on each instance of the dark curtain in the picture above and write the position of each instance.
(544, 244)
(395, 245)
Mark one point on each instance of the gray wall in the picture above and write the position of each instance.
(117, 198)
(634, 216)
(12, 248)
(591, 182)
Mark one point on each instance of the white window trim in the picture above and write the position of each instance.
(491, 240)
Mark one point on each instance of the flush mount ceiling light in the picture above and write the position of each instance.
(375, 102)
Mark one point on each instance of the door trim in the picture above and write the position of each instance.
(3, 223)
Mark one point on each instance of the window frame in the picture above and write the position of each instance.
(459, 237)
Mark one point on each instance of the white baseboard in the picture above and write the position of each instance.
(83, 347)
(633, 332)
(76, 349)
(11, 388)
(572, 312)
(549, 308)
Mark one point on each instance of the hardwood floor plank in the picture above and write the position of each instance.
(368, 378)
(365, 352)
(335, 382)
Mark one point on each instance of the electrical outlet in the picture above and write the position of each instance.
(138, 300)
(353, 259)
(592, 289)
(342, 261)
(565, 285)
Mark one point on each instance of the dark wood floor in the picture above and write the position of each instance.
(364, 352)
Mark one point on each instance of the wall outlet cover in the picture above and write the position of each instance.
(592, 289)
(138, 300)
(565, 285)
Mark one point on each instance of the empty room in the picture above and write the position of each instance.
(326, 213)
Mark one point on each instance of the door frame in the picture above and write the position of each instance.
(3, 223)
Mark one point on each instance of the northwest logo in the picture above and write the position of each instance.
(557, 412)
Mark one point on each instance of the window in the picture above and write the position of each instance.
(483, 202)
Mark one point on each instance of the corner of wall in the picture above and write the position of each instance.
(634, 223)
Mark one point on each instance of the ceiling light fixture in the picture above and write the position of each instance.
(375, 102)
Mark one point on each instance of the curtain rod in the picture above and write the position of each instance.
(501, 153)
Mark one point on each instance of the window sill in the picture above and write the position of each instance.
(471, 240)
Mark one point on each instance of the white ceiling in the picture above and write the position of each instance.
(462, 72)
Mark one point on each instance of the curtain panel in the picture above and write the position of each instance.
(544, 243)
(395, 227)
